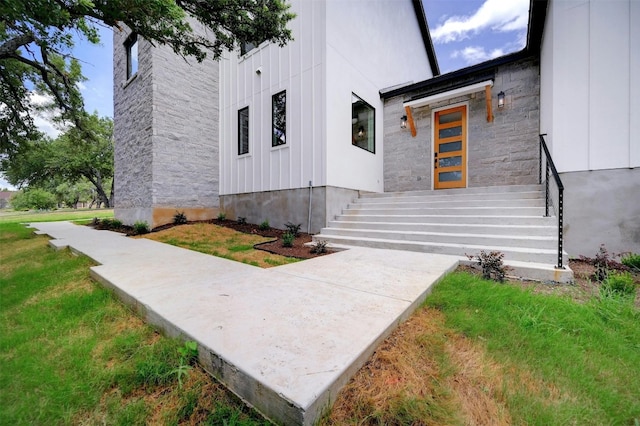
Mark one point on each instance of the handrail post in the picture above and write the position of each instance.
(549, 166)
(560, 226)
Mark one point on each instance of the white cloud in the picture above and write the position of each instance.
(496, 15)
(43, 119)
(476, 54)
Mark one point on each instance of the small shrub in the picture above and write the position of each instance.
(492, 265)
(95, 222)
(179, 218)
(601, 262)
(264, 225)
(116, 224)
(631, 260)
(287, 239)
(141, 227)
(222, 216)
(242, 220)
(293, 228)
(319, 247)
(106, 223)
(619, 283)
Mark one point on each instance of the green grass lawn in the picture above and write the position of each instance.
(587, 354)
(11, 216)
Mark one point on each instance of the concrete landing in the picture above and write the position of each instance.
(284, 339)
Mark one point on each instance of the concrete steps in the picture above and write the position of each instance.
(460, 222)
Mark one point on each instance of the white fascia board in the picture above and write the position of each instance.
(460, 91)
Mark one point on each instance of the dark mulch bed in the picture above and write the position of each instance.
(298, 250)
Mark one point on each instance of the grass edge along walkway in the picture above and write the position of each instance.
(71, 353)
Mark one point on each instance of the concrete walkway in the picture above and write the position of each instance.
(284, 339)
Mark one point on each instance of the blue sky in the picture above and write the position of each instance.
(467, 32)
(464, 32)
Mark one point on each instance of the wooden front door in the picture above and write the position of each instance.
(450, 148)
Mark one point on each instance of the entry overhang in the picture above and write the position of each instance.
(449, 94)
(460, 91)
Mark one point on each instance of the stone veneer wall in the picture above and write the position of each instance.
(503, 152)
(166, 136)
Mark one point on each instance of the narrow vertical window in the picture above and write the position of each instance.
(279, 119)
(243, 131)
(363, 124)
(132, 55)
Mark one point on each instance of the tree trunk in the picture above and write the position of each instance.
(97, 183)
(113, 191)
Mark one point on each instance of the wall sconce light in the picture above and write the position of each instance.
(403, 122)
(501, 99)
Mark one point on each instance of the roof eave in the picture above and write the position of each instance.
(426, 36)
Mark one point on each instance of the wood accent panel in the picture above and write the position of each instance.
(487, 94)
(412, 125)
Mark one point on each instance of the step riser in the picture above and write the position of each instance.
(462, 191)
(548, 243)
(539, 204)
(477, 211)
(450, 219)
(545, 258)
(538, 231)
(461, 197)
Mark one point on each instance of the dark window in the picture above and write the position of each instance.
(243, 131)
(279, 119)
(247, 47)
(363, 124)
(132, 55)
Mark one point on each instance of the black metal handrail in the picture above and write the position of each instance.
(549, 165)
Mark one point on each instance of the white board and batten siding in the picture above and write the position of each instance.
(590, 84)
(340, 47)
(296, 68)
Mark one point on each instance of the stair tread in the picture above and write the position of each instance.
(426, 243)
(452, 234)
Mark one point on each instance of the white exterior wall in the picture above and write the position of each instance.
(339, 47)
(297, 68)
(590, 85)
(371, 45)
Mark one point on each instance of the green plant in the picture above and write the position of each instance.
(631, 260)
(106, 223)
(601, 262)
(242, 220)
(222, 216)
(95, 222)
(319, 247)
(141, 227)
(264, 225)
(179, 218)
(188, 353)
(116, 224)
(293, 228)
(492, 265)
(287, 239)
(619, 283)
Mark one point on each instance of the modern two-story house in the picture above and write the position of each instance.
(356, 106)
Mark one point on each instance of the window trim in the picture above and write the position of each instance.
(131, 41)
(273, 119)
(240, 111)
(353, 143)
